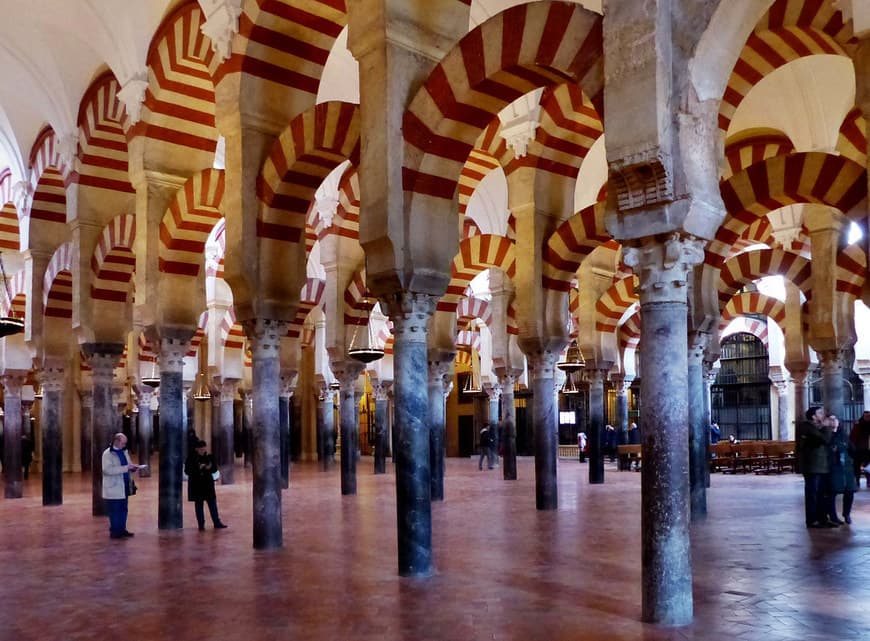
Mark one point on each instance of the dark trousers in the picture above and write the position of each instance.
(817, 497)
(117, 509)
(212, 510)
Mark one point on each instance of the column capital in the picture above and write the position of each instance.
(172, 353)
(831, 358)
(410, 313)
(228, 389)
(438, 369)
(781, 387)
(265, 336)
(697, 346)
(492, 391)
(288, 383)
(86, 397)
(103, 358)
(347, 373)
(542, 365)
(12, 382)
(662, 267)
(382, 391)
(799, 376)
(144, 395)
(52, 376)
(595, 375)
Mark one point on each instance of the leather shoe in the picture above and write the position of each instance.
(830, 524)
(848, 519)
(220, 526)
(127, 534)
(815, 526)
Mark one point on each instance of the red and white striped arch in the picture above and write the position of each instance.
(356, 311)
(810, 177)
(190, 219)
(852, 141)
(18, 294)
(48, 175)
(196, 341)
(745, 268)
(179, 102)
(753, 303)
(754, 146)
(57, 283)
(10, 236)
(534, 45)
(113, 262)
(629, 332)
(286, 42)
(477, 254)
(101, 122)
(214, 264)
(851, 270)
(310, 297)
(314, 144)
(613, 303)
(791, 29)
(573, 241)
(754, 326)
(471, 308)
(232, 334)
(476, 168)
(346, 222)
(147, 354)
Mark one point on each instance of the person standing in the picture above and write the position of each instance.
(860, 438)
(200, 468)
(581, 446)
(485, 445)
(812, 443)
(117, 485)
(842, 472)
(715, 433)
(26, 454)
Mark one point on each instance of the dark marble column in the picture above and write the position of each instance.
(325, 427)
(666, 566)
(102, 358)
(410, 314)
(596, 376)
(783, 411)
(832, 381)
(265, 340)
(620, 421)
(439, 373)
(347, 373)
(699, 428)
(12, 432)
(382, 432)
(709, 379)
(51, 413)
(542, 372)
(799, 378)
(288, 383)
(493, 393)
(86, 397)
(146, 429)
(508, 425)
(225, 449)
(173, 431)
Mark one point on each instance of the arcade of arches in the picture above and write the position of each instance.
(224, 193)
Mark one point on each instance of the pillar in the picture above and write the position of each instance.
(12, 432)
(782, 412)
(51, 423)
(86, 404)
(382, 433)
(173, 431)
(542, 371)
(709, 378)
(699, 428)
(264, 337)
(102, 359)
(508, 426)
(146, 429)
(621, 384)
(347, 374)
(410, 313)
(799, 378)
(493, 392)
(325, 425)
(284, 409)
(224, 436)
(865, 381)
(666, 567)
(438, 374)
(595, 430)
(832, 381)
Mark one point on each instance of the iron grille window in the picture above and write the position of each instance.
(740, 401)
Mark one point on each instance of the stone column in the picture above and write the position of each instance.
(347, 373)
(832, 381)
(709, 378)
(508, 426)
(86, 398)
(102, 358)
(12, 431)
(493, 392)
(662, 268)
(865, 380)
(621, 383)
(382, 433)
(542, 371)
(595, 431)
(173, 431)
(146, 429)
(325, 427)
(699, 427)
(783, 411)
(410, 313)
(264, 336)
(51, 419)
(224, 448)
(799, 378)
(287, 386)
(438, 375)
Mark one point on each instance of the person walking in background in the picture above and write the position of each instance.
(860, 438)
(201, 469)
(485, 446)
(715, 433)
(117, 485)
(581, 446)
(842, 472)
(813, 438)
(26, 454)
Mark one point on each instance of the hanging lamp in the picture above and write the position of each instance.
(152, 377)
(37, 391)
(9, 325)
(573, 359)
(472, 383)
(363, 344)
(200, 385)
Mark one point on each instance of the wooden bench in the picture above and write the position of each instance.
(628, 454)
(569, 451)
(760, 457)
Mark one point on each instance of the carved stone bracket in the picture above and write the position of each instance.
(265, 337)
(410, 313)
(103, 358)
(172, 352)
(221, 24)
(132, 94)
(347, 373)
(542, 365)
(12, 383)
(52, 377)
(663, 267)
(642, 180)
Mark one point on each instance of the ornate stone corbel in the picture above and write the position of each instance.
(132, 94)
(221, 24)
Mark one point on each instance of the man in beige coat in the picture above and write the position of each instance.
(116, 485)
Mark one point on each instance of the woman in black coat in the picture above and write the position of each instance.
(842, 470)
(200, 467)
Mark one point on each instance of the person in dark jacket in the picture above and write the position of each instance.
(26, 454)
(860, 438)
(199, 467)
(812, 444)
(842, 471)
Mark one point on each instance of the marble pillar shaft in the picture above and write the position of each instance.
(699, 440)
(546, 443)
(801, 396)
(284, 430)
(665, 548)
(146, 436)
(87, 431)
(170, 515)
(595, 430)
(382, 436)
(437, 431)
(349, 429)
(52, 447)
(12, 424)
(782, 415)
(266, 455)
(104, 429)
(621, 414)
(225, 451)
(508, 432)
(494, 422)
(325, 430)
(832, 383)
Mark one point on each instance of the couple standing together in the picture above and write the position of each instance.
(825, 458)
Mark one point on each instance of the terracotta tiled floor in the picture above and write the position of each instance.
(504, 570)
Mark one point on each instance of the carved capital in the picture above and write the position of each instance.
(144, 396)
(492, 391)
(132, 94)
(221, 24)
(781, 388)
(542, 365)
(410, 313)
(831, 361)
(642, 179)
(52, 377)
(663, 267)
(86, 398)
(595, 376)
(12, 382)
(264, 336)
(103, 358)
(172, 351)
(228, 389)
(288, 383)
(347, 373)
(382, 391)
(697, 345)
(22, 196)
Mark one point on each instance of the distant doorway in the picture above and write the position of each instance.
(466, 435)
